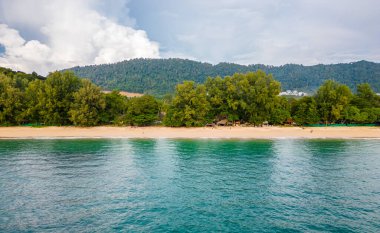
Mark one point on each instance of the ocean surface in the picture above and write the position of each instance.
(123, 185)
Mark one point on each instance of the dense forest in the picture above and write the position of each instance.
(160, 76)
(65, 99)
(253, 98)
(62, 98)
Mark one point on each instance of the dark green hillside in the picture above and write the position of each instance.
(154, 76)
(309, 78)
(160, 76)
(19, 75)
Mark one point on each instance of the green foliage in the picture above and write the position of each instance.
(115, 109)
(332, 98)
(304, 111)
(13, 98)
(365, 97)
(219, 96)
(160, 76)
(142, 111)
(373, 114)
(258, 96)
(281, 111)
(190, 106)
(64, 99)
(251, 97)
(87, 104)
(57, 96)
(33, 96)
(354, 115)
(11, 101)
(20, 77)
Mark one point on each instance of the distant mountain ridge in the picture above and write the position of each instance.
(160, 76)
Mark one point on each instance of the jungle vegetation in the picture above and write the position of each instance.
(160, 76)
(62, 98)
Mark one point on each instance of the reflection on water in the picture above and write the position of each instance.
(190, 185)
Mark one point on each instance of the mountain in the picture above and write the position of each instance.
(160, 76)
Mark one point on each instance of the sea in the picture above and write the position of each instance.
(130, 185)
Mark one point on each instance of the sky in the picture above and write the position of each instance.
(49, 35)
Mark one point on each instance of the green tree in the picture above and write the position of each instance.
(57, 97)
(190, 106)
(160, 76)
(11, 101)
(365, 97)
(233, 104)
(87, 104)
(142, 111)
(116, 108)
(218, 97)
(304, 111)
(373, 115)
(252, 96)
(33, 105)
(332, 98)
(354, 115)
(165, 102)
(281, 111)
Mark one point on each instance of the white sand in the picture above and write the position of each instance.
(191, 133)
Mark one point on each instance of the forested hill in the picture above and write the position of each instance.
(20, 75)
(160, 76)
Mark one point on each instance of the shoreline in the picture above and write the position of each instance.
(158, 132)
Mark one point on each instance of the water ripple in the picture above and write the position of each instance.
(164, 185)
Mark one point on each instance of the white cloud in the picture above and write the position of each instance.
(45, 35)
(21, 55)
(10, 37)
(69, 33)
(178, 55)
(270, 32)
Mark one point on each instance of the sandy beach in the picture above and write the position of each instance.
(191, 133)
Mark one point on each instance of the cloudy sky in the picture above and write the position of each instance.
(48, 35)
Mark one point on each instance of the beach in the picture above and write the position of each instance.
(191, 133)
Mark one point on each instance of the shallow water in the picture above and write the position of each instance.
(126, 185)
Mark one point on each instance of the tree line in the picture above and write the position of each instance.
(160, 76)
(252, 98)
(65, 99)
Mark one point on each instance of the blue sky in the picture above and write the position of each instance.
(46, 35)
(2, 50)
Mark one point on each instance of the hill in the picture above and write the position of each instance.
(160, 76)
(19, 74)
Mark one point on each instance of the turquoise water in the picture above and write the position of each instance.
(189, 185)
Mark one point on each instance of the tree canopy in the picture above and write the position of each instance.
(252, 98)
(189, 107)
(160, 76)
